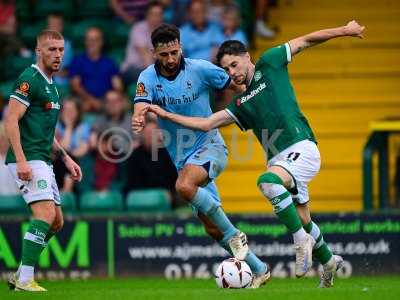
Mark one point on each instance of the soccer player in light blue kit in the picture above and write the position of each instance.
(182, 86)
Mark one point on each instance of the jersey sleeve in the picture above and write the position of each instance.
(213, 76)
(233, 109)
(277, 56)
(23, 90)
(144, 89)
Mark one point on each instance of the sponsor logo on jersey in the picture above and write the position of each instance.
(257, 76)
(253, 93)
(141, 90)
(52, 105)
(23, 89)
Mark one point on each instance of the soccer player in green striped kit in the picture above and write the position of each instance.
(30, 125)
(268, 106)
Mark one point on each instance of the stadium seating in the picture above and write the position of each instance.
(341, 86)
(152, 200)
(101, 202)
(12, 204)
(68, 201)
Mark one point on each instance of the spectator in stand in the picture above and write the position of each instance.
(7, 182)
(130, 11)
(150, 165)
(92, 73)
(73, 135)
(216, 9)
(138, 51)
(198, 36)
(10, 44)
(231, 23)
(55, 22)
(261, 28)
(117, 120)
(105, 167)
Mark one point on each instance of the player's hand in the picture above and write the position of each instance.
(158, 111)
(73, 168)
(354, 29)
(139, 120)
(24, 171)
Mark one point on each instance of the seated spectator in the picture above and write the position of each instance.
(56, 22)
(231, 23)
(198, 36)
(216, 9)
(105, 165)
(7, 182)
(116, 120)
(150, 165)
(260, 27)
(92, 73)
(138, 51)
(10, 44)
(72, 134)
(129, 11)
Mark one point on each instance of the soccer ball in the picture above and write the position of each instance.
(233, 274)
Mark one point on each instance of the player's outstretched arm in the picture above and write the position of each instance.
(218, 119)
(350, 29)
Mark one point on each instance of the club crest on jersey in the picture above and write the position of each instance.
(141, 90)
(23, 89)
(257, 76)
(188, 84)
(52, 105)
(159, 87)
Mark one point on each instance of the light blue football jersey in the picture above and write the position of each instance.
(187, 93)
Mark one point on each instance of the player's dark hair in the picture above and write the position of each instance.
(231, 47)
(165, 33)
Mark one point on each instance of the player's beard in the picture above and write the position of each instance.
(171, 70)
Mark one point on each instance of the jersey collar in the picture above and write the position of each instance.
(49, 80)
(170, 78)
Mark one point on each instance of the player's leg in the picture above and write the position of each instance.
(321, 251)
(273, 185)
(38, 194)
(195, 185)
(189, 186)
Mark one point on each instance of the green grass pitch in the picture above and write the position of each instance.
(376, 288)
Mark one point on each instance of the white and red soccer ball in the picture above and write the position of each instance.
(233, 273)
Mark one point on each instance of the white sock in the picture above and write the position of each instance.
(26, 273)
(299, 235)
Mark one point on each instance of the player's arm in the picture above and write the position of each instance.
(218, 119)
(139, 116)
(350, 29)
(15, 112)
(73, 167)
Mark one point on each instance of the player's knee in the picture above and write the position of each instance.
(266, 183)
(185, 189)
(44, 210)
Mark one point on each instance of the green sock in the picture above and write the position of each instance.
(33, 242)
(271, 185)
(321, 250)
(290, 218)
(49, 235)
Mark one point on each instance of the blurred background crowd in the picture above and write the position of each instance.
(107, 45)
